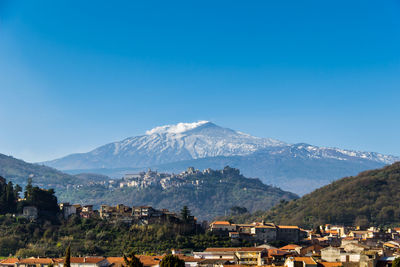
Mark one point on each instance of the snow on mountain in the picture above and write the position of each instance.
(198, 140)
(183, 141)
(314, 152)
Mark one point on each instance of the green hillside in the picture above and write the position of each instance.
(372, 197)
(19, 171)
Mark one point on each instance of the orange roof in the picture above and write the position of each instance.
(9, 261)
(36, 261)
(288, 226)
(116, 260)
(290, 247)
(221, 223)
(149, 260)
(390, 245)
(330, 264)
(188, 258)
(306, 260)
(276, 252)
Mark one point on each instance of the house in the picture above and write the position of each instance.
(88, 212)
(330, 254)
(217, 253)
(67, 209)
(288, 233)
(10, 262)
(360, 234)
(30, 212)
(35, 262)
(251, 256)
(190, 261)
(310, 250)
(86, 262)
(277, 257)
(222, 227)
(263, 232)
(353, 247)
(291, 248)
(300, 262)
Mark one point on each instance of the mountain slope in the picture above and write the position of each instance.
(19, 171)
(371, 197)
(184, 141)
(208, 193)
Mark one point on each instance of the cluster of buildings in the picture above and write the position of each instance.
(168, 180)
(258, 232)
(330, 246)
(121, 213)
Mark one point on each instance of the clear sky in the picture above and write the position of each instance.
(78, 74)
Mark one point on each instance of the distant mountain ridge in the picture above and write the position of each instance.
(296, 167)
(165, 144)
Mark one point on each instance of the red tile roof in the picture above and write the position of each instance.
(277, 252)
(306, 260)
(330, 264)
(9, 261)
(290, 247)
(288, 227)
(221, 223)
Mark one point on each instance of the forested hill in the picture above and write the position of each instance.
(208, 194)
(372, 197)
(19, 171)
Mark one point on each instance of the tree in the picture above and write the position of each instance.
(172, 261)
(396, 262)
(132, 261)
(67, 261)
(10, 198)
(236, 210)
(185, 214)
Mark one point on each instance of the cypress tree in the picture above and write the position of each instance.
(172, 261)
(132, 261)
(67, 261)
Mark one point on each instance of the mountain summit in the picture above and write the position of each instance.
(165, 144)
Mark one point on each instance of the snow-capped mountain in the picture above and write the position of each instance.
(172, 148)
(170, 143)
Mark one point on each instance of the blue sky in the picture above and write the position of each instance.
(78, 74)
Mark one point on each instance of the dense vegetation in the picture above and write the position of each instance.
(215, 194)
(371, 198)
(50, 234)
(96, 237)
